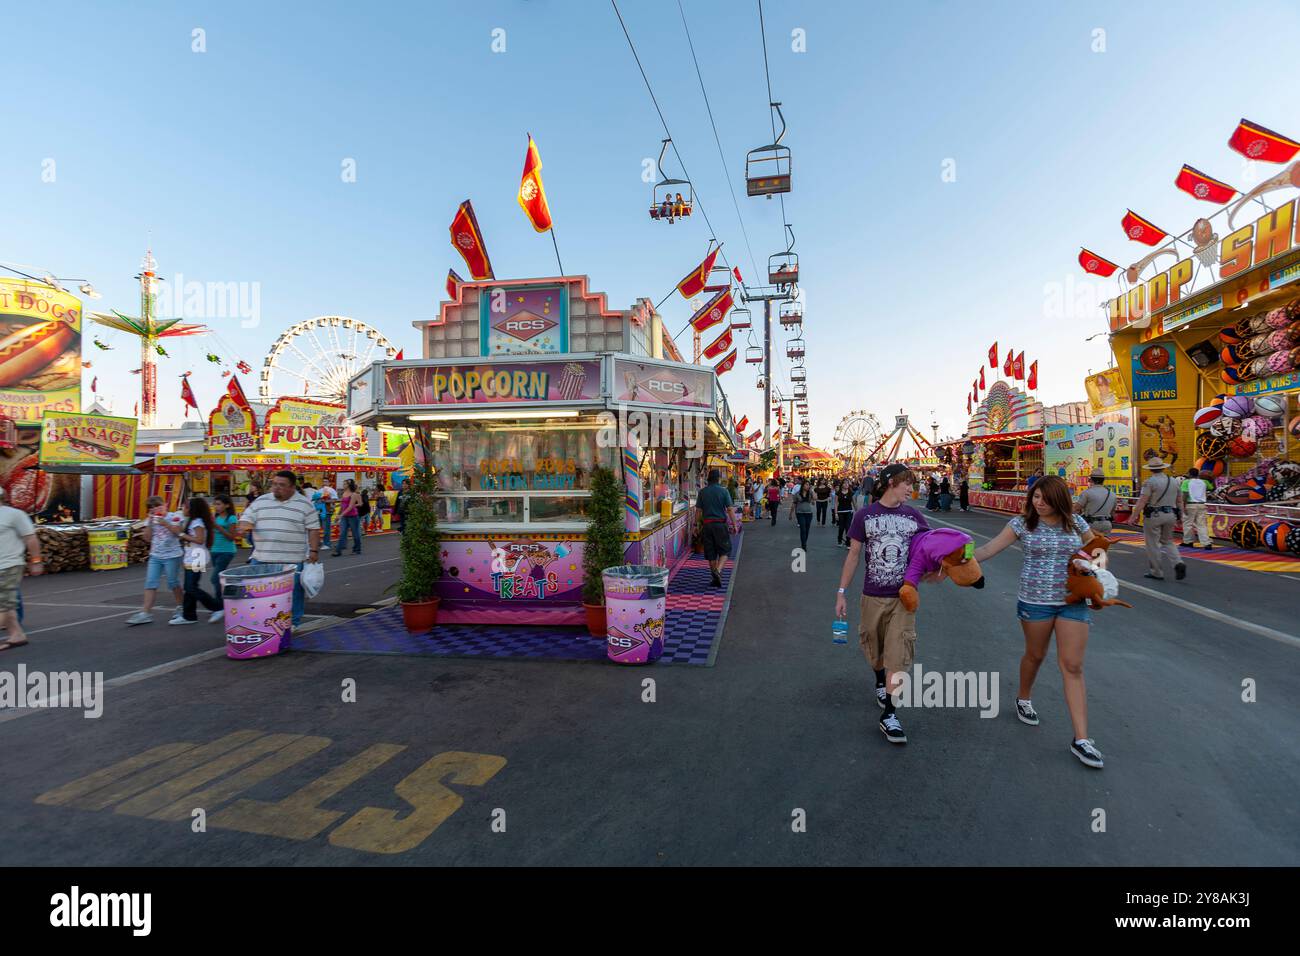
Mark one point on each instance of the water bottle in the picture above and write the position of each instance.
(840, 631)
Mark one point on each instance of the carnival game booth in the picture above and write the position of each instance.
(562, 385)
(1007, 432)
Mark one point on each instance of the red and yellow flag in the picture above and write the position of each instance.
(727, 364)
(1196, 183)
(993, 355)
(235, 390)
(187, 396)
(982, 385)
(467, 239)
(976, 387)
(693, 284)
(1259, 142)
(1018, 367)
(713, 311)
(1007, 366)
(1140, 230)
(754, 437)
(1033, 375)
(453, 283)
(532, 194)
(721, 345)
(968, 405)
(1096, 265)
(740, 425)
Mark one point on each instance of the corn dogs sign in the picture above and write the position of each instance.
(74, 439)
(40, 351)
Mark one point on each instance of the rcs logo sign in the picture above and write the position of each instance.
(665, 386)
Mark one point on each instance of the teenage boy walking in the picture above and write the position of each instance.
(886, 630)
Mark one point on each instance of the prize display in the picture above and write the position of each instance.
(1260, 345)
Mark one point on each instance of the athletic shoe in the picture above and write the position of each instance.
(216, 616)
(140, 617)
(1154, 577)
(1025, 711)
(892, 729)
(717, 581)
(183, 620)
(1180, 571)
(1087, 752)
(881, 697)
(178, 616)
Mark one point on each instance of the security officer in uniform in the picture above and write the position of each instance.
(1097, 504)
(1158, 505)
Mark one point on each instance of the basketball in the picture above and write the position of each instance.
(1206, 415)
(1270, 406)
(1245, 534)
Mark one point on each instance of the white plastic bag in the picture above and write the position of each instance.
(313, 578)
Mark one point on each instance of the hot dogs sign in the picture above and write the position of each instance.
(40, 351)
(75, 439)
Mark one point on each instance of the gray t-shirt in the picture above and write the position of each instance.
(1097, 501)
(164, 544)
(280, 528)
(14, 527)
(1048, 550)
(1161, 491)
(713, 501)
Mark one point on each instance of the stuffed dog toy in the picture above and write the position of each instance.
(932, 550)
(1089, 580)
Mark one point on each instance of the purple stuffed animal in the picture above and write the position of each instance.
(931, 550)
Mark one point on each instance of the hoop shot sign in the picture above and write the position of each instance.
(524, 320)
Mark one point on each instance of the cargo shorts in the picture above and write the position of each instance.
(887, 632)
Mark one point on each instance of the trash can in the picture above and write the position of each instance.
(259, 609)
(635, 598)
(108, 546)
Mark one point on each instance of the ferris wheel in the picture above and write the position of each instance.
(855, 436)
(317, 358)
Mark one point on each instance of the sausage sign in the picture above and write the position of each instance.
(76, 439)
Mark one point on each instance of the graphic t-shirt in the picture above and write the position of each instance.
(165, 544)
(1048, 550)
(886, 534)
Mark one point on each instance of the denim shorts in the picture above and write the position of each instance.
(1046, 612)
(155, 569)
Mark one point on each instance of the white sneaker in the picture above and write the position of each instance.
(216, 616)
(182, 620)
(140, 617)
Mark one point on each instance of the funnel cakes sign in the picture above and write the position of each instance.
(316, 428)
(232, 426)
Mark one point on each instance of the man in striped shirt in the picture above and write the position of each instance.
(288, 531)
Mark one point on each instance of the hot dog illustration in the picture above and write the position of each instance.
(29, 350)
(103, 452)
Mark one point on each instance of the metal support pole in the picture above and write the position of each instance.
(767, 376)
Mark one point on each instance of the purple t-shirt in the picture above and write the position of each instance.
(886, 534)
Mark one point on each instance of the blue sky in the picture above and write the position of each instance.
(228, 163)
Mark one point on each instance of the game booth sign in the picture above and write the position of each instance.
(1209, 350)
(526, 387)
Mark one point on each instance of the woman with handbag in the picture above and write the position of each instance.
(195, 538)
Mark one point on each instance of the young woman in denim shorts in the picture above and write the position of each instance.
(1050, 533)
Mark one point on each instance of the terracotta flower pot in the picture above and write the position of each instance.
(420, 616)
(596, 626)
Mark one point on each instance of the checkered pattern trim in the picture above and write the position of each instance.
(696, 614)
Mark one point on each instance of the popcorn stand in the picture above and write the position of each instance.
(526, 387)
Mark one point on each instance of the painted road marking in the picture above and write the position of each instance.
(1206, 612)
(169, 782)
(91, 620)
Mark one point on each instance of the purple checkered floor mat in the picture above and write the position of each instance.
(696, 612)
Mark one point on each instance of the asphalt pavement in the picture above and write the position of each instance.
(772, 756)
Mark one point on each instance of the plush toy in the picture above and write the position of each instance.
(1089, 579)
(931, 550)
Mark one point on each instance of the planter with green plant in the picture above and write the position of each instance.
(421, 550)
(603, 547)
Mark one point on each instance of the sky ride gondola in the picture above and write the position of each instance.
(754, 355)
(800, 391)
(741, 319)
(767, 168)
(798, 374)
(790, 314)
(783, 267)
(795, 348)
(666, 199)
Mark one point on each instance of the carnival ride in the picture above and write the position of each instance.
(317, 358)
(666, 199)
(903, 430)
(856, 435)
(150, 330)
